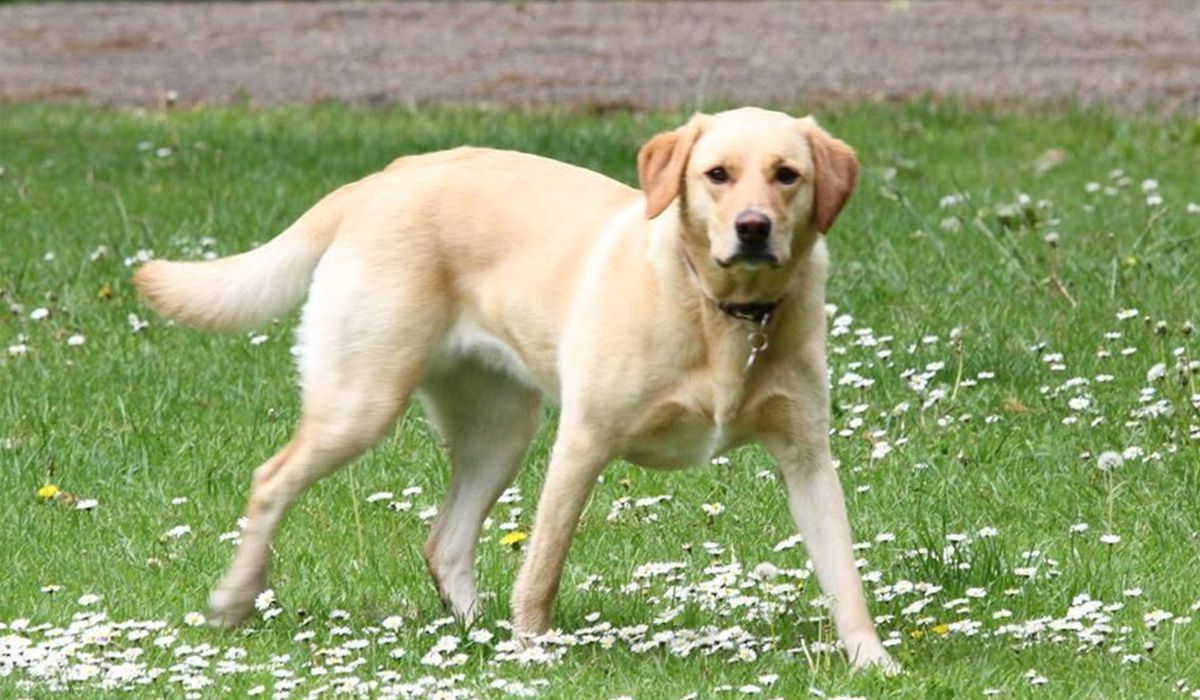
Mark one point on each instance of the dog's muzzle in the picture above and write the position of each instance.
(753, 229)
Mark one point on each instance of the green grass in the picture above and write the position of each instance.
(135, 419)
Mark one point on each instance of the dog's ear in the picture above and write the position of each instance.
(836, 172)
(661, 162)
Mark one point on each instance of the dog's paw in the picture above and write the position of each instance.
(462, 602)
(530, 622)
(466, 613)
(873, 657)
(531, 614)
(229, 607)
(524, 640)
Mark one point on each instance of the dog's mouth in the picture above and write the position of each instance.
(749, 260)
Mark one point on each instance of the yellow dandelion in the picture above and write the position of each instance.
(941, 629)
(47, 492)
(917, 634)
(513, 538)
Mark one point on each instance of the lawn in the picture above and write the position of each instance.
(1016, 417)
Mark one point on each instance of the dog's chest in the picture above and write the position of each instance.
(684, 444)
(688, 429)
(712, 407)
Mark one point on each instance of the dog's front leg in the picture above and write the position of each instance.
(819, 509)
(575, 464)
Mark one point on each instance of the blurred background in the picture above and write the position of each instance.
(603, 55)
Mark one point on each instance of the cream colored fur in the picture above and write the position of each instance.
(489, 280)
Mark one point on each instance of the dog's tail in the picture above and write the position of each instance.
(242, 291)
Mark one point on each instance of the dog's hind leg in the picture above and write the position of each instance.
(364, 351)
(487, 419)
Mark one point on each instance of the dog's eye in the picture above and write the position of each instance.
(717, 175)
(786, 176)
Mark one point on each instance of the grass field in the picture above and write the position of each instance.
(1017, 419)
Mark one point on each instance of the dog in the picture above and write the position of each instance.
(671, 324)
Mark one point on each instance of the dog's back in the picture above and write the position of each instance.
(472, 208)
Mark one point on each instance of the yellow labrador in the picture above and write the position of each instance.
(671, 323)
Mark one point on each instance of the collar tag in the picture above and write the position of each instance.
(759, 341)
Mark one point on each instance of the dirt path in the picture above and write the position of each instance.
(640, 54)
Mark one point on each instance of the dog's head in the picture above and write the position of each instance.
(753, 186)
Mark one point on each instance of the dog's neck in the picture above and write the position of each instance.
(733, 330)
(757, 312)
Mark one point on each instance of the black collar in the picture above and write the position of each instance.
(753, 311)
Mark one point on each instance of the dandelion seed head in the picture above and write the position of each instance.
(1108, 461)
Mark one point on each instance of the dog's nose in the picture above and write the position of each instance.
(752, 227)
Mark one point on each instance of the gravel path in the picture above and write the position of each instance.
(604, 54)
